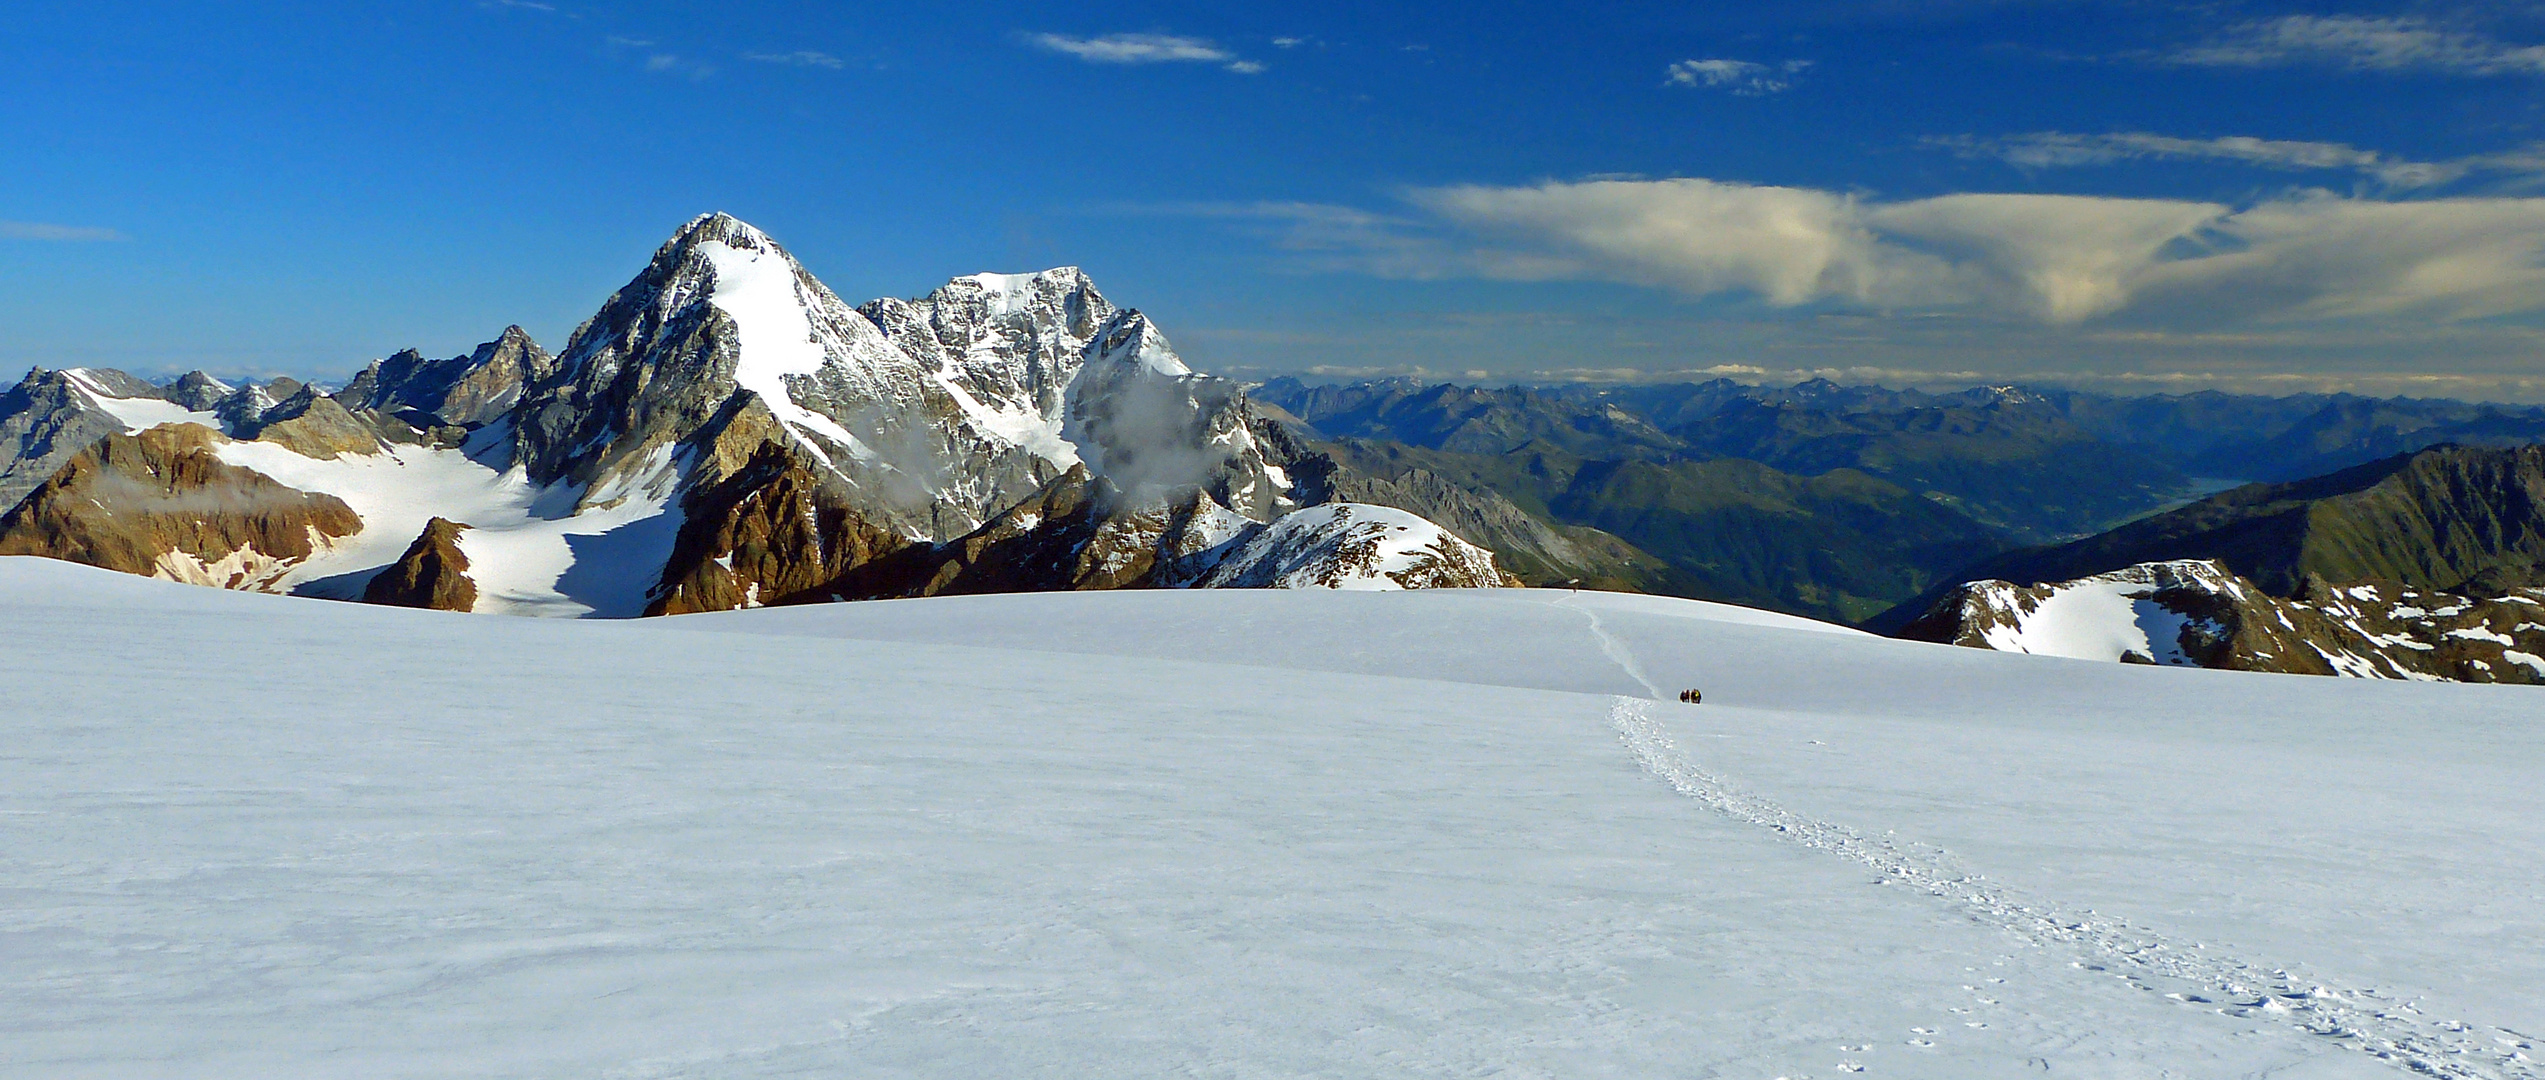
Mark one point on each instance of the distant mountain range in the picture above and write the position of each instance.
(1844, 502)
(724, 433)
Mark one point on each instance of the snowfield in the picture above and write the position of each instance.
(1230, 834)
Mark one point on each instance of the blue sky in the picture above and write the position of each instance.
(2126, 196)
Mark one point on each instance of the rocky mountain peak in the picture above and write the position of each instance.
(723, 228)
(197, 392)
(462, 391)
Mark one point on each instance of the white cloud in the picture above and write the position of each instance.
(798, 58)
(33, 230)
(2364, 44)
(1145, 49)
(2059, 258)
(1742, 77)
(2056, 259)
(1789, 245)
(1288, 42)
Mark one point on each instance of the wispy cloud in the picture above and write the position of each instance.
(2363, 44)
(530, 5)
(658, 62)
(2060, 149)
(2053, 149)
(69, 234)
(1742, 77)
(798, 58)
(1145, 49)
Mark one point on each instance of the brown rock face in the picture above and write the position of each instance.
(767, 534)
(163, 505)
(313, 425)
(772, 534)
(432, 574)
(1062, 538)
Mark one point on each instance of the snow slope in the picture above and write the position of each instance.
(1229, 834)
(136, 413)
(527, 551)
(1351, 546)
(2099, 618)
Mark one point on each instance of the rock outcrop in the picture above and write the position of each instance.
(163, 504)
(770, 533)
(312, 425)
(432, 574)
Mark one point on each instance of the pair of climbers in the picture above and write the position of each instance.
(1691, 697)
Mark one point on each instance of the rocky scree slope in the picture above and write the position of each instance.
(726, 432)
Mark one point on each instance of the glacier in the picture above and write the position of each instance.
(1233, 833)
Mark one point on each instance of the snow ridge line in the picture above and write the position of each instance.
(2396, 1032)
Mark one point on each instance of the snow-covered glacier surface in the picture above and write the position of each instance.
(1241, 834)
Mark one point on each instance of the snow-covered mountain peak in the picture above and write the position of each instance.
(723, 228)
(1353, 546)
(1015, 294)
(1133, 339)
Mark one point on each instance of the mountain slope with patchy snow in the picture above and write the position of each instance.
(2195, 613)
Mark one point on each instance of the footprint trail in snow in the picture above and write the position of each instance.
(2363, 1019)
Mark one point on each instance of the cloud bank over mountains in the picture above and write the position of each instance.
(2056, 260)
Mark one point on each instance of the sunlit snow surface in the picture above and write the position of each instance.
(2097, 619)
(1243, 834)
